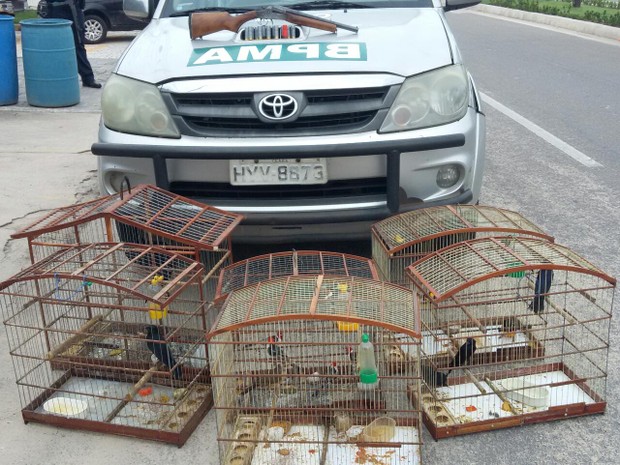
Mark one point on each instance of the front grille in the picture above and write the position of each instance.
(340, 111)
(320, 123)
(189, 101)
(332, 189)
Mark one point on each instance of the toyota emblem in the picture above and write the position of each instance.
(278, 107)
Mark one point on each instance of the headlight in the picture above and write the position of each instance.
(135, 107)
(430, 99)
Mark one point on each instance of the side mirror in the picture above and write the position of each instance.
(139, 9)
(457, 4)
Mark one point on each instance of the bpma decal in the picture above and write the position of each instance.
(353, 51)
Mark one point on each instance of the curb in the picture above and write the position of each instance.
(576, 25)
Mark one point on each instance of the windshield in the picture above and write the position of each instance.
(183, 7)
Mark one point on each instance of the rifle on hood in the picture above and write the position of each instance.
(202, 23)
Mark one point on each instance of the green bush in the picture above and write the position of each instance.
(596, 11)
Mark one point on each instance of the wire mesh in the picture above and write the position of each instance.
(400, 240)
(148, 215)
(93, 336)
(512, 329)
(286, 357)
(292, 263)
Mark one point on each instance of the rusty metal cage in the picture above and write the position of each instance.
(514, 331)
(100, 342)
(290, 381)
(400, 240)
(145, 215)
(292, 263)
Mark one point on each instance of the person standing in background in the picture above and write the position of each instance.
(73, 11)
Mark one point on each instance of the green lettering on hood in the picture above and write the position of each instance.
(296, 51)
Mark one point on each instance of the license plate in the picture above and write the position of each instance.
(274, 172)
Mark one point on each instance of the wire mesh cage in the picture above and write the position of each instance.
(99, 341)
(514, 331)
(145, 215)
(400, 240)
(292, 385)
(292, 263)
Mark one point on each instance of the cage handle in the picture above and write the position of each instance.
(123, 182)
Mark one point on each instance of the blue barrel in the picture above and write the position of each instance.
(50, 64)
(8, 62)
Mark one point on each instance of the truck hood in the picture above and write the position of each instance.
(403, 42)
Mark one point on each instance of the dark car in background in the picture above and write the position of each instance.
(101, 16)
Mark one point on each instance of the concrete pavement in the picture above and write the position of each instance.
(52, 145)
(45, 162)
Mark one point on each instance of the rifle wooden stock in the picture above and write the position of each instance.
(203, 23)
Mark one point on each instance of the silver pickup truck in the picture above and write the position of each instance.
(310, 133)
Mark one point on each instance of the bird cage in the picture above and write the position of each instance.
(291, 386)
(292, 263)
(514, 331)
(400, 240)
(100, 342)
(144, 215)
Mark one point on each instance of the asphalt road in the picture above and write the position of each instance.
(565, 83)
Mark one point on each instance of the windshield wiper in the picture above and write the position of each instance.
(327, 5)
(214, 8)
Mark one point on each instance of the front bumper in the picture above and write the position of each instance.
(325, 226)
(291, 224)
(393, 149)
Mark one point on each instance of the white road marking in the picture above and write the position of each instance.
(540, 132)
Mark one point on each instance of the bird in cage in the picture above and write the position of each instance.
(315, 380)
(462, 357)
(273, 349)
(466, 351)
(294, 369)
(542, 286)
(352, 357)
(510, 328)
(433, 377)
(334, 370)
(161, 350)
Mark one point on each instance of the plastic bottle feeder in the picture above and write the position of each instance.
(66, 406)
(369, 378)
(380, 430)
(525, 392)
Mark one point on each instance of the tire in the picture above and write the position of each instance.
(95, 29)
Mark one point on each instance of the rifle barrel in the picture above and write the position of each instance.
(290, 11)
